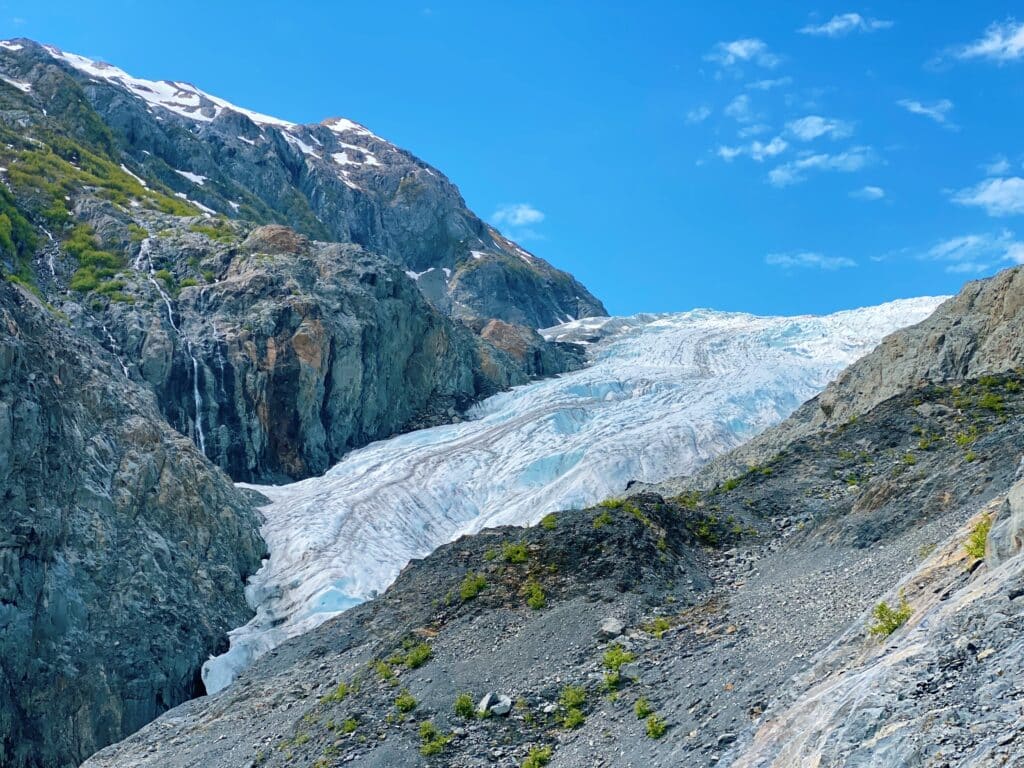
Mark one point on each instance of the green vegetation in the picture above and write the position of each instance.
(730, 484)
(384, 671)
(615, 656)
(216, 229)
(534, 594)
(418, 655)
(514, 553)
(472, 585)
(970, 456)
(658, 627)
(188, 282)
(538, 757)
(965, 439)
(572, 699)
(642, 708)
(656, 727)
(888, 619)
(337, 695)
(405, 703)
(975, 546)
(603, 519)
(909, 459)
(991, 401)
(490, 555)
(136, 233)
(549, 522)
(432, 741)
(94, 264)
(17, 238)
(464, 706)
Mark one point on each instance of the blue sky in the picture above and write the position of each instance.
(770, 159)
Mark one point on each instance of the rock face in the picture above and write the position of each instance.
(123, 552)
(297, 352)
(332, 181)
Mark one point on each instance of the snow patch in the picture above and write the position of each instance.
(21, 86)
(195, 178)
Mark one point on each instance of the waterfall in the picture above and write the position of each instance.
(197, 397)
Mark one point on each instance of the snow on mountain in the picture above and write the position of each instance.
(663, 394)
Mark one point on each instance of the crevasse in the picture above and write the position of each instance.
(662, 395)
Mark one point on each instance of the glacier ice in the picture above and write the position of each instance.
(662, 395)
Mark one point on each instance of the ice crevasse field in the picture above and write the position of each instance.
(661, 396)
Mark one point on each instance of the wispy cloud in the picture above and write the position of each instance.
(698, 114)
(517, 220)
(739, 109)
(750, 50)
(811, 127)
(767, 85)
(939, 111)
(868, 193)
(999, 196)
(795, 171)
(973, 254)
(844, 24)
(808, 260)
(756, 150)
(999, 166)
(1002, 42)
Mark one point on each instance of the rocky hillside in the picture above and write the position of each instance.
(976, 332)
(668, 630)
(275, 352)
(123, 552)
(334, 181)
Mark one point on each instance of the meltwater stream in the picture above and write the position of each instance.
(663, 394)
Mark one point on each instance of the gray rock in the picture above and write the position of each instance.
(611, 627)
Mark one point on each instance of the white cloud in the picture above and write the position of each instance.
(1001, 43)
(972, 254)
(753, 130)
(811, 127)
(739, 109)
(698, 114)
(808, 260)
(796, 171)
(756, 150)
(999, 166)
(517, 214)
(748, 50)
(767, 85)
(845, 23)
(939, 111)
(868, 193)
(999, 197)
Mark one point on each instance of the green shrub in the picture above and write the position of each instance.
(490, 555)
(615, 656)
(514, 553)
(730, 484)
(975, 546)
(349, 725)
(417, 656)
(549, 522)
(970, 456)
(991, 401)
(405, 702)
(188, 282)
(433, 742)
(464, 706)
(909, 459)
(688, 500)
(538, 757)
(572, 697)
(573, 718)
(534, 594)
(603, 519)
(964, 439)
(888, 619)
(659, 626)
(384, 671)
(337, 695)
(472, 585)
(656, 727)
(642, 708)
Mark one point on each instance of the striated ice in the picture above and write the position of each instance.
(663, 394)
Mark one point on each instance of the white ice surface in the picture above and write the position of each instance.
(663, 394)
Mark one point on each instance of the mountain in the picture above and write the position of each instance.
(123, 552)
(661, 393)
(335, 181)
(827, 606)
(275, 352)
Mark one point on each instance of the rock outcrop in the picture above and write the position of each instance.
(123, 552)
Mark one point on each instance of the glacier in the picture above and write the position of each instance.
(662, 394)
